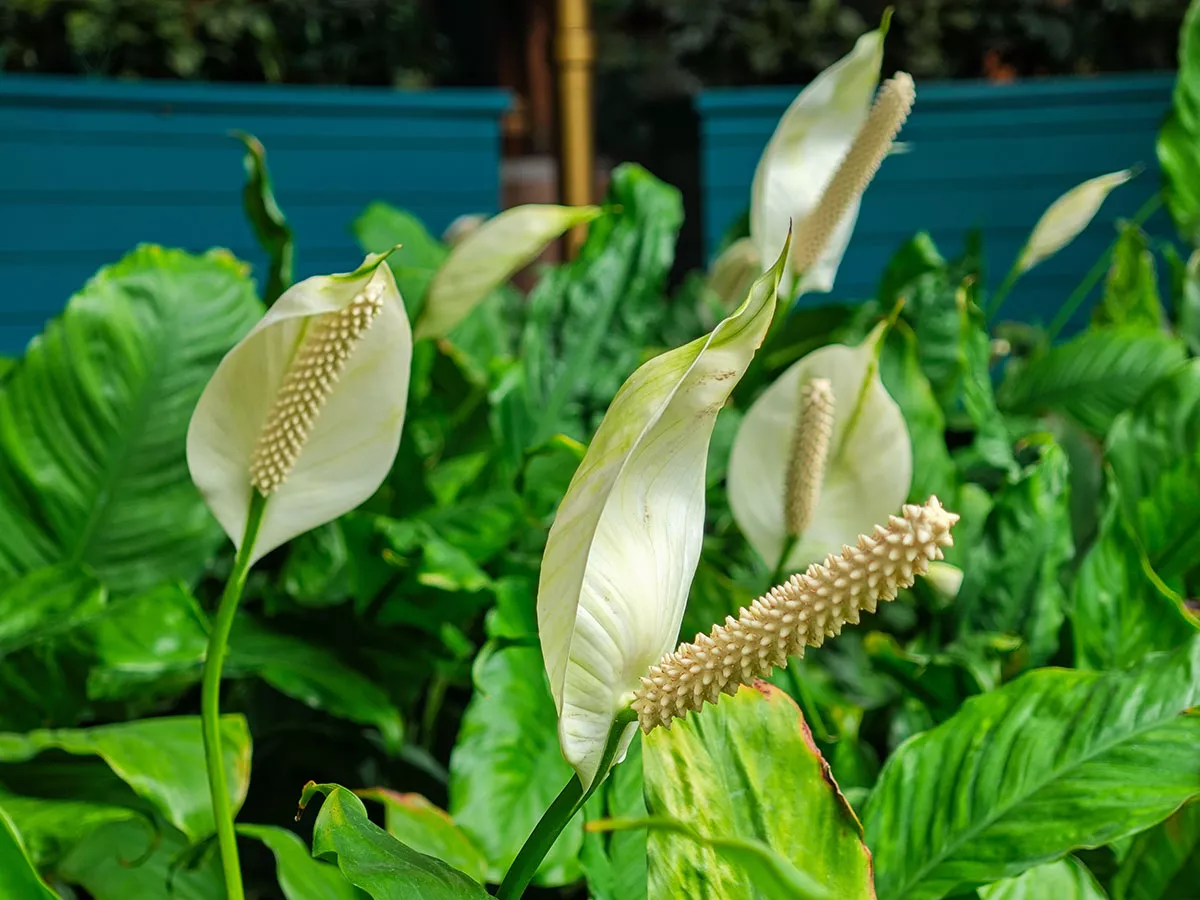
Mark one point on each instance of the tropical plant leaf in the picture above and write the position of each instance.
(417, 823)
(93, 421)
(417, 254)
(1056, 760)
(1067, 879)
(51, 828)
(162, 760)
(1131, 291)
(1093, 377)
(1178, 144)
(266, 218)
(47, 602)
(18, 877)
(749, 770)
(1163, 862)
(373, 860)
(300, 876)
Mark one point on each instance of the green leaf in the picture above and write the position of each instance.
(507, 758)
(1093, 377)
(417, 256)
(93, 421)
(373, 860)
(52, 828)
(266, 218)
(300, 876)
(1163, 862)
(1179, 139)
(417, 823)
(1131, 291)
(162, 760)
(616, 864)
(1067, 879)
(18, 878)
(1056, 760)
(314, 676)
(47, 602)
(771, 874)
(1118, 612)
(1013, 582)
(749, 769)
(125, 860)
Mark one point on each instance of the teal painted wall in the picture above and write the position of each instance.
(90, 168)
(993, 156)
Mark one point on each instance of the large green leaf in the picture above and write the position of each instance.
(1093, 377)
(749, 769)
(373, 860)
(1056, 760)
(1131, 291)
(314, 676)
(300, 876)
(1179, 139)
(52, 828)
(1163, 862)
(18, 878)
(417, 256)
(507, 758)
(267, 219)
(93, 421)
(615, 864)
(1012, 583)
(1067, 879)
(125, 860)
(47, 602)
(162, 760)
(416, 822)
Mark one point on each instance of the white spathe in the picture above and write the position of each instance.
(809, 143)
(1067, 216)
(625, 542)
(353, 439)
(868, 471)
(488, 255)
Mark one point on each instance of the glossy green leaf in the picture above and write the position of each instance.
(748, 769)
(1131, 291)
(416, 822)
(126, 860)
(300, 876)
(162, 760)
(1056, 760)
(51, 828)
(1093, 377)
(47, 602)
(1067, 879)
(266, 218)
(373, 860)
(18, 878)
(1163, 862)
(507, 757)
(489, 256)
(769, 874)
(314, 676)
(92, 465)
(616, 863)
(1014, 581)
(1179, 139)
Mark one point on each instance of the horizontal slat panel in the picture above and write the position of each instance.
(979, 155)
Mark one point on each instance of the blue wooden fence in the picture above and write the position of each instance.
(90, 168)
(992, 156)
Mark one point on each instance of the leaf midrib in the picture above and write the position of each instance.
(1002, 810)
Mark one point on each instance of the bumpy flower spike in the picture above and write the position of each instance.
(810, 449)
(802, 611)
(309, 381)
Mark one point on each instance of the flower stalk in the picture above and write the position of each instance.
(810, 451)
(801, 612)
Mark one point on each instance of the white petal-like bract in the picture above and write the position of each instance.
(868, 470)
(353, 428)
(1067, 216)
(624, 546)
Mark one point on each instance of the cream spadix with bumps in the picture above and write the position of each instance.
(307, 409)
(625, 542)
(801, 612)
(856, 476)
(810, 142)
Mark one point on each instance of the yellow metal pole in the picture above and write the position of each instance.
(575, 53)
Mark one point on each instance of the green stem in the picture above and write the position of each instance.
(1096, 272)
(997, 299)
(789, 544)
(210, 700)
(560, 813)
